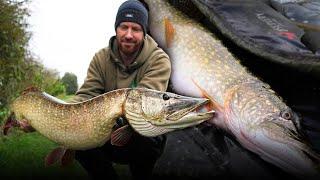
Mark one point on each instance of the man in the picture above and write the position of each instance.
(132, 59)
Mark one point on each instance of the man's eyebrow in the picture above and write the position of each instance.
(137, 27)
(123, 25)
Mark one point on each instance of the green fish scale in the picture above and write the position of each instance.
(73, 126)
(215, 69)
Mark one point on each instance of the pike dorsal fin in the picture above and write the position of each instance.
(30, 89)
(169, 32)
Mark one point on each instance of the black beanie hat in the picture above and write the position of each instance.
(132, 11)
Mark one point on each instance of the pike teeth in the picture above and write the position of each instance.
(179, 114)
(196, 117)
(199, 114)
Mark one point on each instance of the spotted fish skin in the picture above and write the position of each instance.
(76, 126)
(245, 106)
(89, 124)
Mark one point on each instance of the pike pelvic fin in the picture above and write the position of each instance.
(213, 105)
(121, 136)
(68, 157)
(169, 32)
(54, 156)
(65, 156)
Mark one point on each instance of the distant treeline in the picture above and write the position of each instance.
(19, 68)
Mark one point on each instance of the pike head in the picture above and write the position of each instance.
(153, 113)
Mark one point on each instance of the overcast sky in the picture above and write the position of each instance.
(67, 33)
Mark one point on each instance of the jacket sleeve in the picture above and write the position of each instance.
(93, 84)
(157, 76)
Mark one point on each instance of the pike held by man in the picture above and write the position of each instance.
(89, 124)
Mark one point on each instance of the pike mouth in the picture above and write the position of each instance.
(184, 111)
(181, 112)
(191, 115)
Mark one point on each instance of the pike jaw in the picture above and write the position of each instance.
(153, 113)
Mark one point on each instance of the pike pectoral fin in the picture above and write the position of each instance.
(54, 156)
(213, 105)
(169, 32)
(121, 136)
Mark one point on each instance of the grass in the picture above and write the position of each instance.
(65, 97)
(22, 157)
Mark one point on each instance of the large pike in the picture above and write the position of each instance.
(89, 124)
(245, 106)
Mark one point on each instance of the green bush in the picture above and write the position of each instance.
(70, 82)
(18, 68)
(56, 89)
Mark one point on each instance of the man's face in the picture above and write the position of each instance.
(129, 37)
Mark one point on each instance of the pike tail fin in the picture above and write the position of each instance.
(9, 123)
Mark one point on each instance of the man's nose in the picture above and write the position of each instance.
(128, 34)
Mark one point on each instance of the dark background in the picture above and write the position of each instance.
(184, 159)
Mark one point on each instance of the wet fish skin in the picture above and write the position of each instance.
(245, 106)
(88, 124)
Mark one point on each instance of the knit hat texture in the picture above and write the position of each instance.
(132, 11)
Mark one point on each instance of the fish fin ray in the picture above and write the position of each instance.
(213, 105)
(54, 156)
(121, 136)
(25, 126)
(9, 123)
(67, 157)
(169, 32)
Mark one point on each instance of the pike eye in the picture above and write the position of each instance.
(165, 97)
(286, 115)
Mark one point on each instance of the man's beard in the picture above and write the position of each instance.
(131, 50)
